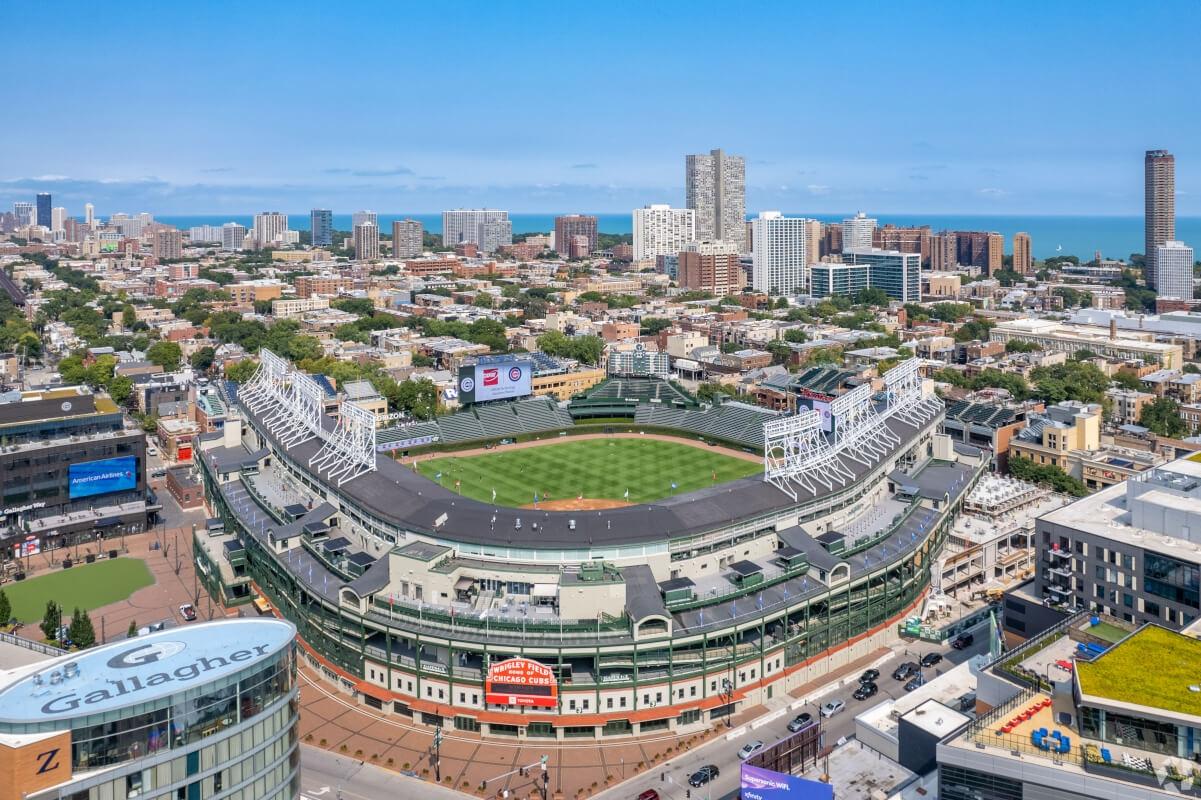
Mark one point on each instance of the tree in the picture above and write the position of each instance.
(166, 354)
(51, 620)
(1046, 475)
(262, 307)
(202, 359)
(1083, 354)
(780, 351)
(1017, 346)
(1074, 380)
(709, 392)
(133, 629)
(82, 634)
(796, 336)
(120, 388)
(973, 329)
(871, 297)
(1128, 380)
(1192, 369)
(652, 325)
(1074, 298)
(781, 303)
(1162, 416)
(356, 305)
(950, 312)
(6, 608)
(240, 371)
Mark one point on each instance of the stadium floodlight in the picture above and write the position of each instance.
(906, 400)
(307, 402)
(796, 453)
(349, 450)
(860, 433)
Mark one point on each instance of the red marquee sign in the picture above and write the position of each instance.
(521, 682)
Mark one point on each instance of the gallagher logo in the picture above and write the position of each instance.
(146, 654)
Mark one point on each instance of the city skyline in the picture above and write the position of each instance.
(375, 153)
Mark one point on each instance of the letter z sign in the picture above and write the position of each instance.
(47, 761)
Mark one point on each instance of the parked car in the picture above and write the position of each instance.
(914, 682)
(963, 642)
(749, 749)
(703, 775)
(188, 612)
(905, 671)
(865, 691)
(649, 794)
(869, 676)
(800, 721)
(930, 659)
(833, 707)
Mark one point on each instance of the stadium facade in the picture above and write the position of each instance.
(522, 622)
(204, 711)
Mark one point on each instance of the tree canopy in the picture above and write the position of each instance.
(1162, 416)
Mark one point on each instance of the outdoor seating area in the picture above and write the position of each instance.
(1055, 741)
(1025, 716)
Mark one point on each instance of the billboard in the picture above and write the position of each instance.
(494, 380)
(764, 784)
(521, 682)
(806, 398)
(101, 477)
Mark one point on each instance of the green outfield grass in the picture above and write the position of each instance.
(595, 468)
(88, 586)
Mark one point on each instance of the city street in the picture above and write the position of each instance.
(672, 781)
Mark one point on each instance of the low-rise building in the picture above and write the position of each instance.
(1116, 344)
(1049, 436)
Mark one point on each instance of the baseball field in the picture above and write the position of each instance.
(587, 473)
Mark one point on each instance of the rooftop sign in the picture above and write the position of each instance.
(140, 670)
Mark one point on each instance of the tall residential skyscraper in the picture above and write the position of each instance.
(58, 218)
(1023, 261)
(232, 236)
(321, 227)
(1159, 222)
(1174, 270)
(408, 239)
(715, 189)
(813, 241)
(45, 210)
(857, 232)
(359, 217)
(168, 244)
(996, 253)
(570, 225)
(463, 225)
(269, 227)
(24, 214)
(781, 253)
(366, 241)
(660, 230)
(89, 215)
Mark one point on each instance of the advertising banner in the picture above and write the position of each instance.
(764, 784)
(101, 477)
(820, 403)
(494, 380)
(521, 682)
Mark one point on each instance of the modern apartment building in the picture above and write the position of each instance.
(660, 230)
(359, 217)
(24, 212)
(233, 236)
(408, 238)
(204, 234)
(168, 244)
(45, 209)
(1023, 260)
(712, 267)
(1159, 220)
(907, 240)
(857, 232)
(494, 234)
(366, 241)
(269, 227)
(781, 253)
(570, 225)
(1174, 270)
(321, 226)
(466, 225)
(897, 273)
(995, 258)
(715, 189)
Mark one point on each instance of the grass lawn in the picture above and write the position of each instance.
(88, 586)
(596, 468)
(1108, 632)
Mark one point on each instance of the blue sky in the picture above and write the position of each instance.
(1014, 108)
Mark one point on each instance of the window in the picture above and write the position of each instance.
(1127, 600)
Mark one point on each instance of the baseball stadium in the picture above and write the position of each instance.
(626, 562)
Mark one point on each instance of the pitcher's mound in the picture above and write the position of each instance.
(573, 504)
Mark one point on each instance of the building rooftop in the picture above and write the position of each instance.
(1121, 674)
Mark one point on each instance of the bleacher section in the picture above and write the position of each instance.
(493, 421)
(732, 422)
(619, 397)
(988, 416)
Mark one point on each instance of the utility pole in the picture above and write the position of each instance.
(438, 754)
(546, 775)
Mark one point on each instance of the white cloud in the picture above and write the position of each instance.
(818, 189)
